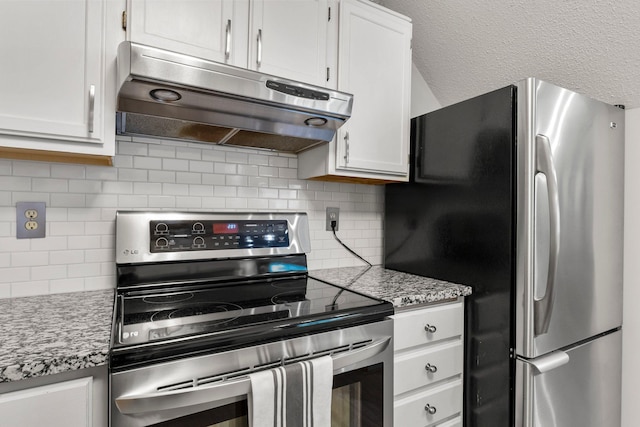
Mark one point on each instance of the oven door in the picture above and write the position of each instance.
(212, 390)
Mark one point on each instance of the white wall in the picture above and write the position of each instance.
(422, 98)
(78, 251)
(631, 313)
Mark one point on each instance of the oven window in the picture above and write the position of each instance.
(357, 401)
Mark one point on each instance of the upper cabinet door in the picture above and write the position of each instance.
(52, 78)
(374, 62)
(288, 39)
(211, 29)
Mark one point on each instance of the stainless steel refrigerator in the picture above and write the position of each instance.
(519, 194)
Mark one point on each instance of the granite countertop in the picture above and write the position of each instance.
(49, 334)
(403, 290)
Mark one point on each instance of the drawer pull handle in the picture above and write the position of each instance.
(430, 409)
(431, 368)
(430, 328)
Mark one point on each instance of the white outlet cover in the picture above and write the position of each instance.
(22, 232)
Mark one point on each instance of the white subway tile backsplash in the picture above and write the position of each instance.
(86, 269)
(189, 153)
(31, 169)
(162, 202)
(258, 159)
(51, 272)
(237, 180)
(224, 191)
(132, 148)
(67, 257)
(201, 166)
(102, 173)
(78, 251)
(224, 168)
(236, 157)
(66, 285)
(248, 170)
(30, 288)
(15, 183)
(68, 171)
(188, 178)
(175, 164)
(201, 190)
(278, 161)
(23, 259)
(147, 163)
(268, 171)
(123, 162)
(125, 174)
(162, 176)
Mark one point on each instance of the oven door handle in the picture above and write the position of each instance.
(228, 389)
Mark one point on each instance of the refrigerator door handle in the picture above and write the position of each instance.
(548, 362)
(543, 307)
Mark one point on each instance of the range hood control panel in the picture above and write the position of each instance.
(181, 236)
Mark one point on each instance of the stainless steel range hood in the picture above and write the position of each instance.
(170, 95)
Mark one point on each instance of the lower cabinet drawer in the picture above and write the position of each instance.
(429, 325)
(429, 407)
(420, 368)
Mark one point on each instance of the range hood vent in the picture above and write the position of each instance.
(166, 94)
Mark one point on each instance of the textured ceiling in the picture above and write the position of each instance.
(463, 48)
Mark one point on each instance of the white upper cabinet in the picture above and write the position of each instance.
(211, 29)
(374, 64)
(289, 39)
(285, 38)
(53, 77)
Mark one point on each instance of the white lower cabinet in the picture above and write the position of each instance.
(63, 404)
(70, 399)
(428, 366)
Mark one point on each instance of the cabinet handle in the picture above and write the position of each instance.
(346, 150)
(430, 409)
(227, 47)
(430, 328)
(259, 61)
(431, 368)
(92, 102)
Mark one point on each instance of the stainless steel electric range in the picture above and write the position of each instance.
(204, 299)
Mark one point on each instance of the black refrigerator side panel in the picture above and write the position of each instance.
(455, 221)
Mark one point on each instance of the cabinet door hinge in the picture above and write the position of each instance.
(329, 15)
(124, 20)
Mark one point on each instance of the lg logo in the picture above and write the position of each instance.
(130, 252)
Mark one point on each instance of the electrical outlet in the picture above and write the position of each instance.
(333, 214)
(30, 220)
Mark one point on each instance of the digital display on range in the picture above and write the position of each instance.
(179, 236)
(225, 228)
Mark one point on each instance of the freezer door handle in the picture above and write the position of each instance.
(543, 307)
(548, 362)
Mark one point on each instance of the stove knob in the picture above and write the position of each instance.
(162, 243)
(198, 242)
(198, 228)
(162, 228)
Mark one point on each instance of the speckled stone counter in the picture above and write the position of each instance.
(401, 289)
(50, 334)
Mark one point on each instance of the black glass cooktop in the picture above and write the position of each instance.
(229, 315)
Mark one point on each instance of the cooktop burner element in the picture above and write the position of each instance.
(176, 296)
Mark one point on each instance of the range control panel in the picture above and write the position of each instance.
(206, 235)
